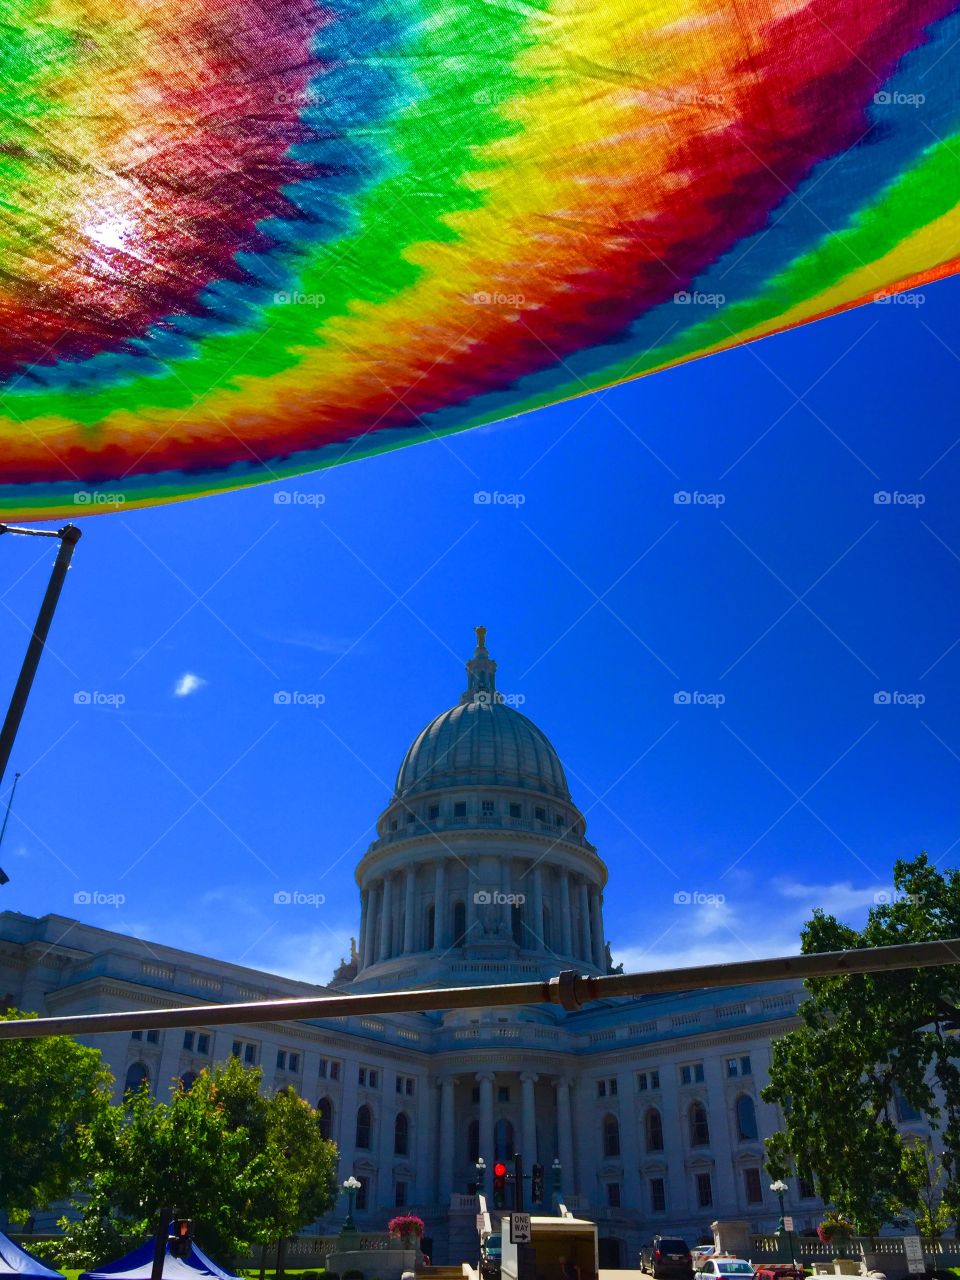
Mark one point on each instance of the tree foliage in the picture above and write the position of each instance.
(245, 1168)
(52, 1090)
(867, 1042)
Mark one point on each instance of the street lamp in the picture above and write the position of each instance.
(481, 1174)
(779, 1189)
(557, 1170)
(351, 1187)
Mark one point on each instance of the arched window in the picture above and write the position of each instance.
(473, 1141)
(746, 1119)
(137, 1076)
(517, 924)
(429, 926)
(611, 1136)
(401, 1135)
(459, 923)
(699, 1126)
(653, 1127)
(187, 1081)
(503, 1146)
(325, 1118)
(364, 1128)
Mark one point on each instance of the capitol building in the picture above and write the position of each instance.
(482, 872)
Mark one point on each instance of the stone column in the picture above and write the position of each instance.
(370, 942)
(486, 1079)
(599, 947)
(566, 940)
(345, 1124)
(440, 911)
(506, 888)
(629, 1141)
(673, 1115)
(364, 913)
(425, 1190)
(586, 946)
(725, 1187)
(389, 1106)
(528, 1117)
(445, 1181)
(169, 1065)
(565, 1137)
(473, 886)
(386, 918)
(536, 921)
(409, 909)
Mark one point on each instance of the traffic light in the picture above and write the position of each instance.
(181, 1241)
(499, 1186)
(536, 1184)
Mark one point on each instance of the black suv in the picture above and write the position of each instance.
(666, 1258)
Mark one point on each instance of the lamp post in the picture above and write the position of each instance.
(779, 1188)
(351, 1187)
(481, 1175)
(557, 1170)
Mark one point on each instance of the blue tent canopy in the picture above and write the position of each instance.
(15, 1261)
(139, 1264)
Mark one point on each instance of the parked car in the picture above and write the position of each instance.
(702, 1252)
(779, 1271)
(667, 1258)
(723, 1268)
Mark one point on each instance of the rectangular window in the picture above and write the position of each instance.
(362, 1076)
(654, 1079)
(400, 1196)
(642, 1083)
(136, 1035)
(613, 1088)
(237, 1049)
(432, 813)
(322, 1070)
(559, 820)
(399, 1084)
(807, 1190)
(203, 1042)
(188, 1037)
(293, 1062)
(540, 814)
(613, 1195)
(746, 1068)
(733, 1067)
(486, 808)
(475, 1093)
(460, 809)
(411, 816)
(281, 1060)
(334, 1070)
(752, 1186)
(153, 1037)
(250, 1054)
(503, 1093)
(410, 1086)
(372, 1079)
(361, 1200)
(515, 811)
(691, 1073)
(601, 1088)
(658, 1196)
(704, 1191)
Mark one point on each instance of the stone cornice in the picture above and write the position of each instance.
(430, 847)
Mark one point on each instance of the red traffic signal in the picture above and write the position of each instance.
(499, 1170)
(499, 1185)
(181, 1241)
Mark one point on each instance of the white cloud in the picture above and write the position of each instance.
(187, 684)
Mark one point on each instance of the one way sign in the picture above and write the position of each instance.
(519, 1228)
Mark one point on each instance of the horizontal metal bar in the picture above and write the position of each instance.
(569, 989)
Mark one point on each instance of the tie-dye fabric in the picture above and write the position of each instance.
(241, 240)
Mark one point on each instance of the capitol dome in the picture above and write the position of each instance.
(481, 741)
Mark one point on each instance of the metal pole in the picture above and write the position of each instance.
(569, 989)
(4, 878)
(69, 536)
(160, 1244)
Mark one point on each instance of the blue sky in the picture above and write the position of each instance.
(782, 598)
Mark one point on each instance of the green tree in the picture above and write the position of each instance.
(868, 1041)
(244, 1167)
(52, 1091)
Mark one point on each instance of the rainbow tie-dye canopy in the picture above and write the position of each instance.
(244, 239)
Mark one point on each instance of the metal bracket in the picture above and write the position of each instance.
(563, 990)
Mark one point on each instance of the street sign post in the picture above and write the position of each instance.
(519, 1228)
(913, 1252)
(480, 1222)
(788, 1223)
